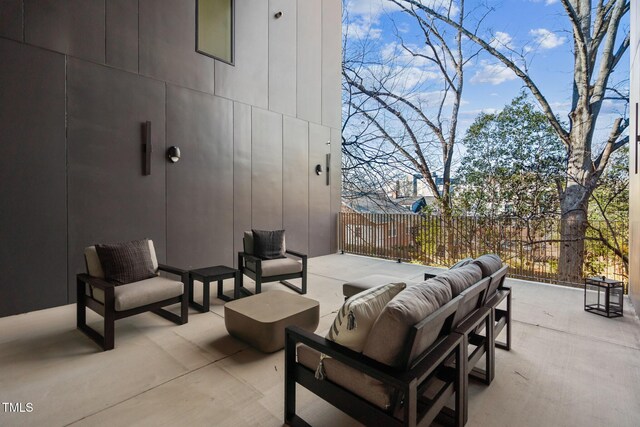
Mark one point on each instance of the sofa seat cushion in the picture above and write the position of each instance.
(351, 379)
(489, 264)
(141, 293)
(460, 278)
(349, 289)
(388, 336)
(357, 315)
(277, 267)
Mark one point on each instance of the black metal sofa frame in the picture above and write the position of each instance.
(502, 317)
(410, 382)
(109, 313)
(495, 295)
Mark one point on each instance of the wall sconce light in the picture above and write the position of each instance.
(318, 169)
(328, 161)
(146, 148)
(278, 15)
(173, 154)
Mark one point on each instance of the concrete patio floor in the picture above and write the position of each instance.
(567, 367)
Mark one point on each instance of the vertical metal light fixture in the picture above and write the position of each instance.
(146, 148)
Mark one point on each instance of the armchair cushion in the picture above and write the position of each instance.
(126, 262)
(387, 338)
(357, 315)
(277, 267)
(141, 293)
(489, 264)
(269, 244)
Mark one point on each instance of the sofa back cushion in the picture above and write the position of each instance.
(126, 262)
(269, 244)
(357, 315)
(461, 263)
(460, 278)
(94, 267)
(388, 337)
(488, 263)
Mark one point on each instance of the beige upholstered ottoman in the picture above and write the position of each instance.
(260, 319)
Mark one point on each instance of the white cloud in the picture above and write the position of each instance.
(395, 53)
(546, 2)
(501, 39)
(546, 39)
(494, 74)
(375, 8)
(370, 8)
(361, 29)
(480, 111)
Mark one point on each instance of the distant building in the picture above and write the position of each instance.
(375, 224)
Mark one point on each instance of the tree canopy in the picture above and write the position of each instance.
(513, 164)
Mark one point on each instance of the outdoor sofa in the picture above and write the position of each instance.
(433, 362)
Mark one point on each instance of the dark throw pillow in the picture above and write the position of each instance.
(268, 244)
(126, 262)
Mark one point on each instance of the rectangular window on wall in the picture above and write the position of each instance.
(214, 29)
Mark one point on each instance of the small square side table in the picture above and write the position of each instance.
(604, 296)
(209, 274)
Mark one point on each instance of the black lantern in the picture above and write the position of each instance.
(603, 296)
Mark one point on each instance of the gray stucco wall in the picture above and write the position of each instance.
(77, 79)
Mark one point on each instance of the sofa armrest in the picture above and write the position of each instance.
(430, 361)
(473, 320)
(497, 297)
(355, 360)
(95, 281)
(296, 254)
(428, 276)
(435, 357)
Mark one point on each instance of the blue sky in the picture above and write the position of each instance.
(538, 28)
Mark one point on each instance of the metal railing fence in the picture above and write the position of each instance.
(531, 248)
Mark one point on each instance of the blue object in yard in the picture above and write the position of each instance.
(418, 205)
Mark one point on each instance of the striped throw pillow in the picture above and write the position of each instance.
(357, 315)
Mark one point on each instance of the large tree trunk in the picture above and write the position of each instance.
(574, 200)
(573, 226)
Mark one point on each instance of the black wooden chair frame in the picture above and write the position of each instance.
(410, 382)
(282, 278)
(109, 313)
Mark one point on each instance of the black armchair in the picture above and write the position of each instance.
(273, 270)
(113, 301)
